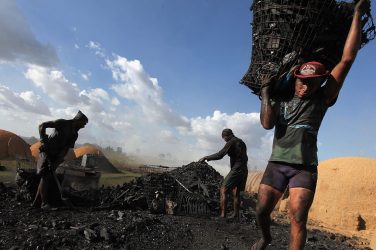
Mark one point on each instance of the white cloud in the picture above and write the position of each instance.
(209, 128)
(76, 46)
(17, 41)
(134, 83)
(167, 136)
(94, 45)
(97, 48)
(115, 101)
(54, 84)
(95, 102)
(97, 94)
(246, 126)
(86, 76)
(121, 125)
(152, 128)
(146, 125)
(25, 101)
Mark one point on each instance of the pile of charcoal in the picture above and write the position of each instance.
(192, 189)
(132, 195)
(199, 178)
(5, 192)
(288, 32)
(27, 182)
(195, 172)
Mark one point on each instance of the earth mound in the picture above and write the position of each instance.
(88, 149)
(13, 147)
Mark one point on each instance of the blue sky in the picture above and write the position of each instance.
(159, 78)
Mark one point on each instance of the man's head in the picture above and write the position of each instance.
(309, 77)
(80, 120)
(227, 134)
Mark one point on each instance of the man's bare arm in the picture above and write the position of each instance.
(268, 114)
(350, 50)
(43, 126)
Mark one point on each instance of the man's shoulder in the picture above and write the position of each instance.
(237, 139)
(63, 123)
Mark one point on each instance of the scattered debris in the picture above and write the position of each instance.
(120, 228)
(123, 218)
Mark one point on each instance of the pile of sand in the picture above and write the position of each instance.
(13, 147)
(346, 194)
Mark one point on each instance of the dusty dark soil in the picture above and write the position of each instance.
(120, 218)
(24, 228)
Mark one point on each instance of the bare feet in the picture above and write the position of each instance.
(261, 244)
(234, 217)
(220, 219)
(35, 204)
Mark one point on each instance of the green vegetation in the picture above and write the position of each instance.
(9, 173)
(110, 179)
(107, 179)
(9, 164)
(127, 165)
(122, 161)
(118, 158)
(7, 176)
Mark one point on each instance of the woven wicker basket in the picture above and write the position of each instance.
(289, 32)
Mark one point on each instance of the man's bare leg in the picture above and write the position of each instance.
(267, 198)
(43, 186)
(300, 201)
(223, 202)
(235, 201)
(37, 200)
(235, 197)
(41, 195)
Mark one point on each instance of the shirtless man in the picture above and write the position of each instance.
(236, 179)
(53, 150)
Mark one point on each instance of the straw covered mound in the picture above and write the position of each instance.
(12, 146)
(253, 181)
(346, 194)
(87, 149)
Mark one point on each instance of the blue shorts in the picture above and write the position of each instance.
(279, 175)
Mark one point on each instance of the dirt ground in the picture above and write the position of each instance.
(25, 228)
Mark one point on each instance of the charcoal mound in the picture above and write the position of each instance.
(190, 189)
(193, 188)
(200, 178)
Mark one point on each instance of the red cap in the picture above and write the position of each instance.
(310, 70)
